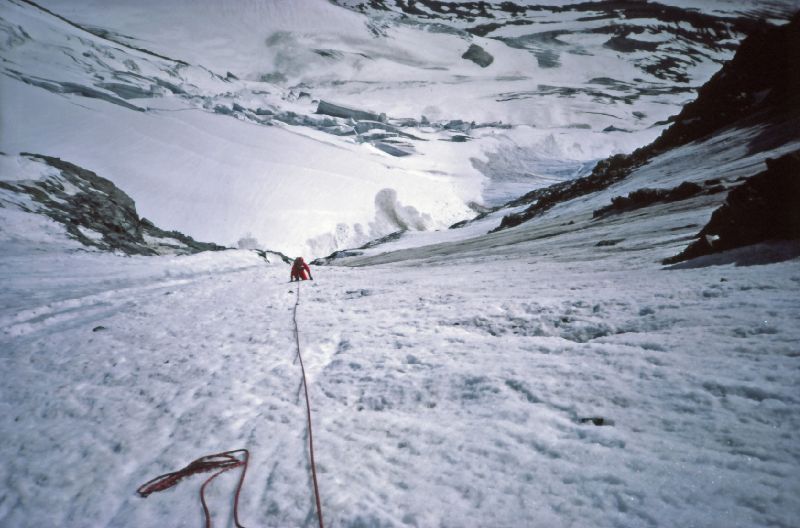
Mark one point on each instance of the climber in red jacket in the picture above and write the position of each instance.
(300, 270)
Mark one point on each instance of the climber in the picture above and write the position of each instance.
(300, 270)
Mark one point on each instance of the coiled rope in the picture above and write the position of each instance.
(228, 460)
(223, 462)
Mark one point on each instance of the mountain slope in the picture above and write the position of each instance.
(755, 93)
(552, 374)
(201, 110)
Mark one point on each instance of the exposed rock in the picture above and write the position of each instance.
(604, 174)
(628, 45)
(391, 237)
(761, 78)
(280, 256)
(759, 85)
(766, 207)
(97, 213)
(478, 55)
(609, 242)
(323, 261)
(644, 197)
(599, 421)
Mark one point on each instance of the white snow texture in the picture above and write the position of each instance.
(550, 375)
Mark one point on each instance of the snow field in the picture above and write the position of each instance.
(443, 393)
(220, 177)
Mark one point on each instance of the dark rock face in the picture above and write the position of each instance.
(478, 55)
(81, 200)
(324, 261)
(604, 174)
(766, 207)
(643, 197)
(759, 85)
(762, 78)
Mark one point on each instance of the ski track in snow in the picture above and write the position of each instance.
(448, 395)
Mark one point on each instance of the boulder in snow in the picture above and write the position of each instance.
(478, 55)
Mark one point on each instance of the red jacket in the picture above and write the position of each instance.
(300, 270)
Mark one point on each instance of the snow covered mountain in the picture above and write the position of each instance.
(214, 116)
(551, 373)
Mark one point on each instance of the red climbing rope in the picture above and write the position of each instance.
(225, 461)
(308, 413)
(222, 462)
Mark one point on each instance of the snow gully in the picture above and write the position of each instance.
(225, 461)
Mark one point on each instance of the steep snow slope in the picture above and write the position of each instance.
(551, 374)
(456, 387)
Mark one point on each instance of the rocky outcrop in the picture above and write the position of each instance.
(762, 78)
(758, 86)
(604, 174)
(478, 55)
(645, 197)
(97, 213)
(766, 207)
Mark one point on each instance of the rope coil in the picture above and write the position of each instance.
(222, 462)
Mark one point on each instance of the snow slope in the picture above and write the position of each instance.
(449, 391)
(553, 374)
(454, 384)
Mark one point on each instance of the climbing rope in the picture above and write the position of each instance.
(308, 411)
(222, 462)
(227, 460)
